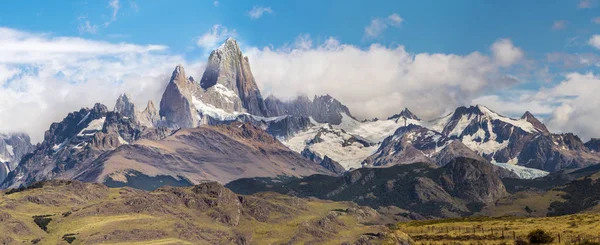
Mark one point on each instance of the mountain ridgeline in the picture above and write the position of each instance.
(221, 128)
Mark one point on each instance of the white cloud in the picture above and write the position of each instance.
(214, 36)
(377, 81)
(505, 53)
(571, 105)
(559, 25)
(596, 20)
(578, 109)
(378, 25)
(45, 77)
(595, 41)
(216, 3)
(586, 4)
(257, 11)
(86, 27)
(114, 6)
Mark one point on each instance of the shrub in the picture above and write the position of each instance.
(521, 242)
(540, 237)
(42, 221)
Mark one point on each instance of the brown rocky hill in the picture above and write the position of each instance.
(220, 153)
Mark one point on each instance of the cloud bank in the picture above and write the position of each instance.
(44, 77)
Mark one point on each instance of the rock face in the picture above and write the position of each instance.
(150, 116)
(125, 106)
(461, 187)
(473, 180)
(220, 153)
(228, 74)
(325, 161)
(12, 148)
(535, 122)
(176, 104)
(593, 145)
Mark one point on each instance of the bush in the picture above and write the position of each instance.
(42, 221)
(521, 242)
(540, 237)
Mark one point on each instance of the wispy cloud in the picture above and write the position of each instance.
(43, 76)
(378, 25)
(212, 37)
(559, 25)
(216, 3)
(257, 11)
(596, 20)
(586, 4)
(114, 6)
(86, 27)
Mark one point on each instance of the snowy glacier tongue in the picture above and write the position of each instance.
(522, 172)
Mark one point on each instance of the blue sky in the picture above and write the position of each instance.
(512, 56)
(429, 26)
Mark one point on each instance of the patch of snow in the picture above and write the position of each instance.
(331, 145)
(226, 92)
(84, 118)
(4, 159)
(93, 127)
(10, 150)
(122, 141)
(521, 123)
(373, 131)
(438, 124)
(59, 146)
(212, 111)
(462, 124)
(80, 146)
(522, 172)
(478, 143)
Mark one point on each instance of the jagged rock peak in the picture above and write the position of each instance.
(406, 114)
(150, 116)
(535, 122)
(228, 68)
(125, 106)
(179, 74)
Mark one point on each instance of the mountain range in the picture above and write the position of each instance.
(221, 128)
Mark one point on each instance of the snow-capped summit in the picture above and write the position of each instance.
(527, 116)
(405, 114)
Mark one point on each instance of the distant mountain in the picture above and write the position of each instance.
(475, 132)
(71, 145)
(218, 153)
(12, 148)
